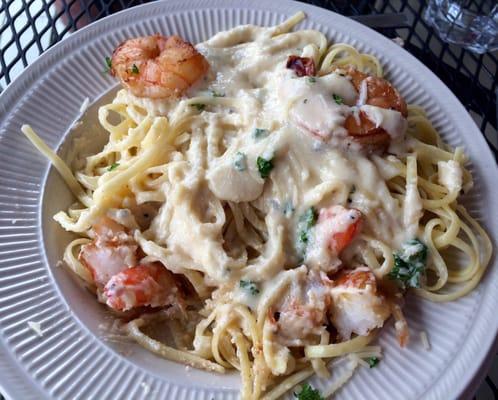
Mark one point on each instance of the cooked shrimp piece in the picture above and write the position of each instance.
(379, 92)
(343, 224)
(302, 314)
(112, 251)
(376, 92)
(357, 304)
(158, 66)
(346, 107)
(149, 285)
(336, 228)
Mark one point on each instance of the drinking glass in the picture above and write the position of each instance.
(470, 24)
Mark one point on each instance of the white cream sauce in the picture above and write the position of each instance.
(450, 175)
(390, 120)
(304, 122)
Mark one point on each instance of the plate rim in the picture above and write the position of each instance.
(179, 5)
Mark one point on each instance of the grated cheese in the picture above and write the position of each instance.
(450, 175)
(145, 387)
(84, 105)
(425, 341)
(35, 327)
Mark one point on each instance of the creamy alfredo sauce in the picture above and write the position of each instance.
(263, 110)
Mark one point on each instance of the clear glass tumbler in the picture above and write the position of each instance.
(470, 24)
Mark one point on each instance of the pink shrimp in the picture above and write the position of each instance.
(379, 93)
(157, 66)
(112, 251)
(112, 258)
(144, 285)
(344, 224)
(358, 306)
(302, 313)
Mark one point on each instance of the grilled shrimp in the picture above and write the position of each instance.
(357, 304)
(377, 92)
(144, 285)
(157, 66)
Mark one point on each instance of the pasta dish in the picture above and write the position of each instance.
(264, 202)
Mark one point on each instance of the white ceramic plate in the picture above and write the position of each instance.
(72, 360)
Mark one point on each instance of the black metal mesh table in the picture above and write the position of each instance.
(29, 27)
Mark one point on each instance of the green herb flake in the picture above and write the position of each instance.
(306, 221)
(260, 133)
(214, 93)
(198, 106)
(240, 161)
(409, 263)
(308, 393)
(338, 99)
(108, 65)
(113, 166)
(372, 361)
(250, 286)
(303, 237)
(134, 69)
(264, 166)
(311, 79)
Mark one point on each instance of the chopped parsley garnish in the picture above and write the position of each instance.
(372, 361)
(199, 106)
(306, 222)
(264, 166)
(240, 162)
(338, 99)
(309, 217)
(250, 286)
(308, 393)
(108, 65)
(409, 263)
(259, 133)
(113, 166)
(217, 94)
(311, 79)
(134, 69)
